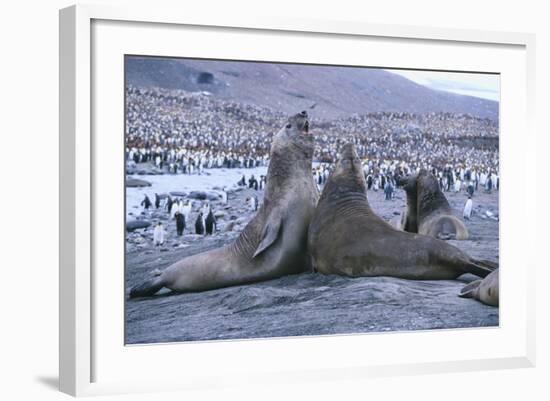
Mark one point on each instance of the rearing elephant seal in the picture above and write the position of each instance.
(346, 237)
(485, 290)
(274, 243)
(428, 211)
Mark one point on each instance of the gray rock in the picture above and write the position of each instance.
(230, 226)
(204, 195)
(199, 195)
(137, 183)
(136, 225)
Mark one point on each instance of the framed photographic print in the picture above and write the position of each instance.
(289, 199)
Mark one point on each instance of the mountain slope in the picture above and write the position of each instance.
(335, 91)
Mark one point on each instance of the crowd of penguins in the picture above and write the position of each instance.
(383, 178)
(179, 132)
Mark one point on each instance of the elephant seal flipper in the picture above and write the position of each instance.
(468, 290)
(270, 234)
(147, 289)
(479, 268)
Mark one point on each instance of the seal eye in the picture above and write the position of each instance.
(288, 126)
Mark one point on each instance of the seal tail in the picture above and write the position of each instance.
(147, 289)
(479, 267)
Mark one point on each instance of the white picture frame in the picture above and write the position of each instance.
(81, 343)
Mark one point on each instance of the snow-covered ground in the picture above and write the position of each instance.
(216, 177)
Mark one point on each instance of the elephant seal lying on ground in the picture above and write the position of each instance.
(428, 211)
(274, 242)
(346, 237)
(485, 290)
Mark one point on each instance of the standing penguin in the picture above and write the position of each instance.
(158, 234)
(169, 203)
(205, 210)
(369, 181)
(242, 182)
(489, 185)
(458, 184)
(224, 196)
(146, 202)
(157, 201)
(180, 223)
(467, 213)
(186, 209)
(210, 223)
(252, 202)
(470, 189)
(174, 209)
(199, 224)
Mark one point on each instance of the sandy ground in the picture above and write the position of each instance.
(306, 304)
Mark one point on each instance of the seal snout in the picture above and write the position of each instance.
(303, 122)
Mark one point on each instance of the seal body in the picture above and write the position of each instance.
(274, 242)
(428, 211)
(346, 237)
(485, 290)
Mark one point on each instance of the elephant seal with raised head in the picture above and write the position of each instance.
(428, 211)
(346, 237)
(485, 290)
(274, 243)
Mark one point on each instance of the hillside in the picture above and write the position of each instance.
(335, 91)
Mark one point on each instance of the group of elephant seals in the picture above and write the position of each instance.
(428, 211)
(485, 290)
(346, 237)
(274, 243)
(295, 231)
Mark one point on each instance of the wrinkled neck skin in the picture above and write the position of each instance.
(285, 164)
(430, 198)
(344, 195)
